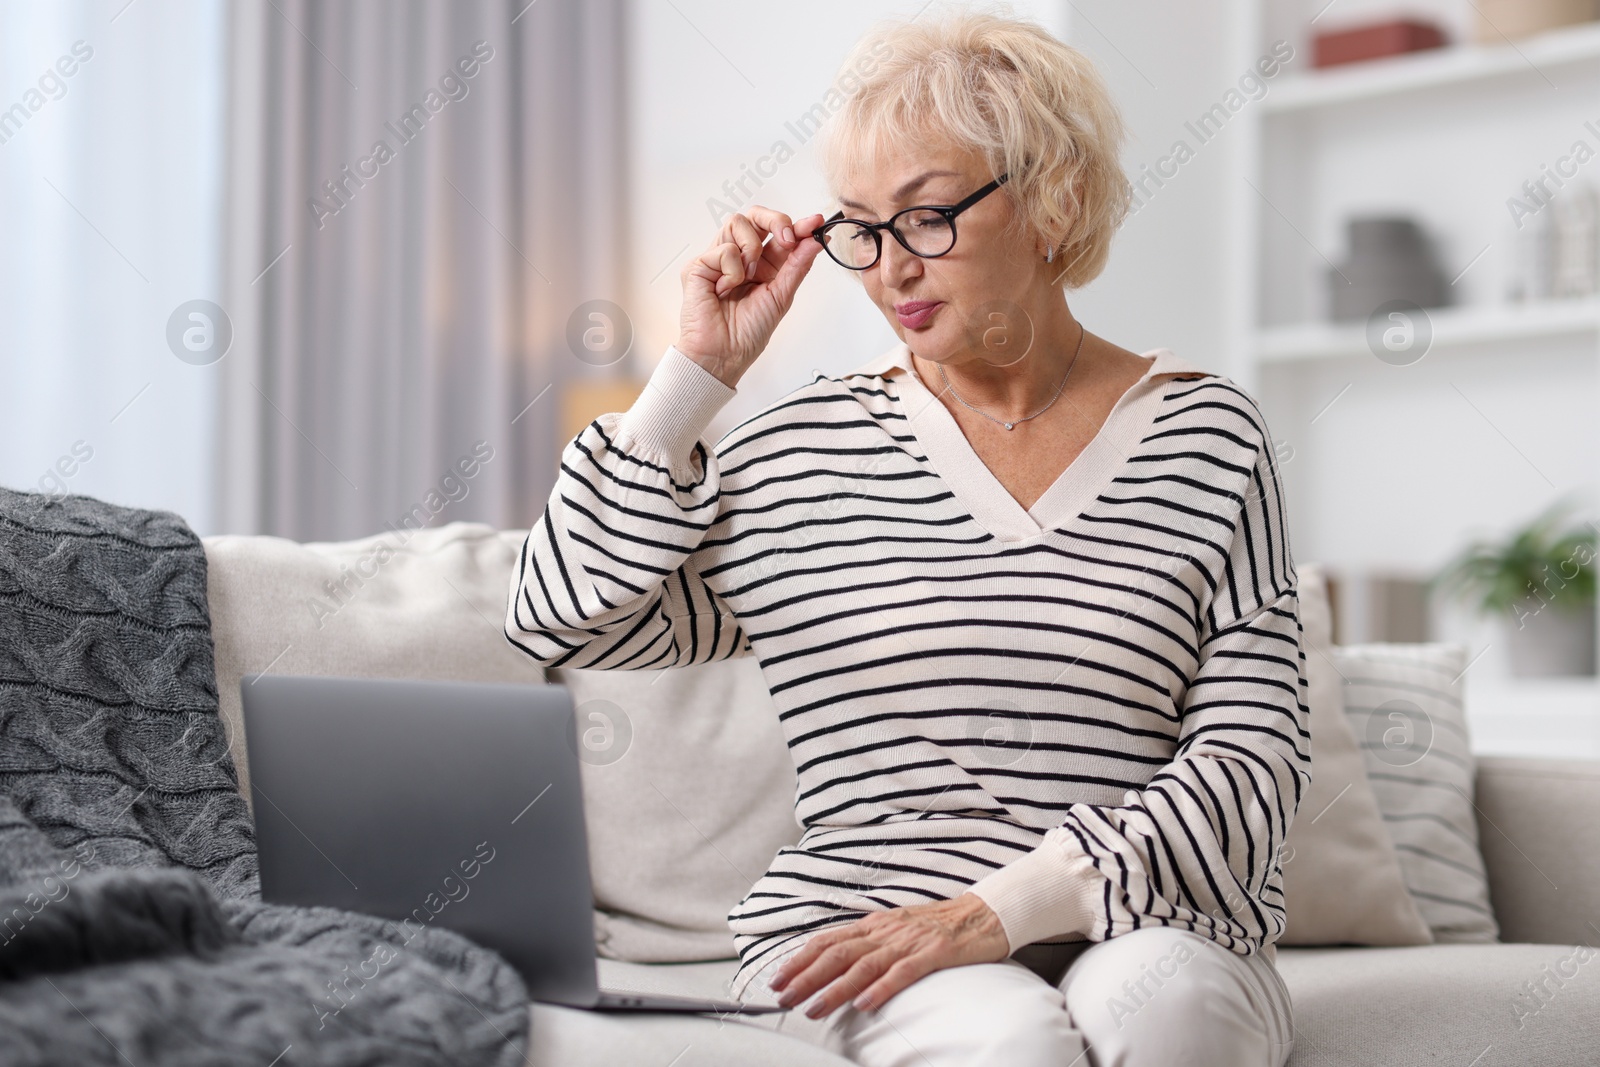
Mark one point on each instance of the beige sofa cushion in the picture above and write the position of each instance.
(1341, 874)
(1541, 845)
(690, 813)
(1456, 1004)
(1406, 709)
(428, 603)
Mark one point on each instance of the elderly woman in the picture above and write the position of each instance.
(1024, 598)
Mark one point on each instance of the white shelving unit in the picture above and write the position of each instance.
(1445, 136)
(1455, 65)
(1453, 327)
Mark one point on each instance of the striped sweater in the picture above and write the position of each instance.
(1091, 713)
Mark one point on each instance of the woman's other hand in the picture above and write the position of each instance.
(870, 960)
(736, 291)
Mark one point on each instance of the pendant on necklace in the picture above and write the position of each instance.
(1008, 426)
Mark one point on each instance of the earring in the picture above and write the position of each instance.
(1049, 254)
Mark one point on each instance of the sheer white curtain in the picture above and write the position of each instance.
(420, 197)
(111, 133)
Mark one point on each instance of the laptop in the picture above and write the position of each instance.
(437, 803)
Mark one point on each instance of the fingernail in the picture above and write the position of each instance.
(815, 1011)
(862, 1003)
(788, 234)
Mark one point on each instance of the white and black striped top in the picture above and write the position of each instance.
(1092, 713)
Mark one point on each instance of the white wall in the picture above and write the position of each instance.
(111, 199)
(1165, 63)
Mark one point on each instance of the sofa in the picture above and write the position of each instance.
(688, 792)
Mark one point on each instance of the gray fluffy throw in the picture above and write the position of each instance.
(131, 925)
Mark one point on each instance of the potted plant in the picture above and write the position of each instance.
(1540, 583)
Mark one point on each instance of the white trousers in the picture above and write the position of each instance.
(1156, 997)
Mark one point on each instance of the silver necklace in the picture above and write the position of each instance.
(1036, 414)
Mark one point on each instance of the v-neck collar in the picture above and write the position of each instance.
(981, 493)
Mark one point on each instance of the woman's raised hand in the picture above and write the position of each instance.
(736, 292)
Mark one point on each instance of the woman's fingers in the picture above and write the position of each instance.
(854, 983)
(732, 263)
(750, 230)
(787, 234)
(776, 252)
(824, 968)
(808, 225)
(892, 979)
(742, 231)
(808, 952)
(721, 265)
(765, 220)
(754, 257)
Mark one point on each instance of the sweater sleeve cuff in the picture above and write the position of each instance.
(676, 406)
(1045, 893)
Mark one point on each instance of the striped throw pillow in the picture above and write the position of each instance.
(1404, 703)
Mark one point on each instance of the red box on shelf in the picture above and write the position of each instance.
(1374, 41)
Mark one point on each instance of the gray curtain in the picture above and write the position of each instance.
(420, 195)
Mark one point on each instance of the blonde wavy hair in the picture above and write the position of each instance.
(1034, 106)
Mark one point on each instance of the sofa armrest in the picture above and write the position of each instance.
(1538, 827)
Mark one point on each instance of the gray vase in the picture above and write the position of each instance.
(1550, 642)
(1390, 259)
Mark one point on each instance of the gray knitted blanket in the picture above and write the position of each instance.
(131, 925)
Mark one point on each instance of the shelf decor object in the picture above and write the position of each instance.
(1390, 259)
(1374, 41)
(1576, 251)
(1540, 583)
(1500, 20)
(1533, 261)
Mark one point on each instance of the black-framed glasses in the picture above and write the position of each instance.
(926, 231)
